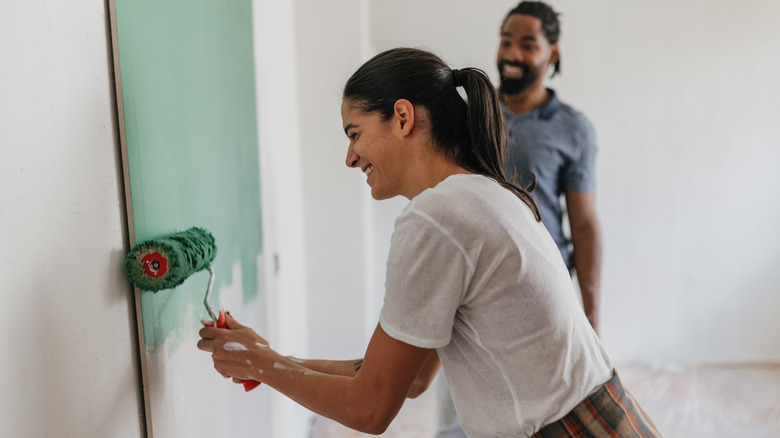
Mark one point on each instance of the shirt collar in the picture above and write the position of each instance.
(548, 110)
(544, 112)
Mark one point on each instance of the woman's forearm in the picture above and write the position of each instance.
(336, 367)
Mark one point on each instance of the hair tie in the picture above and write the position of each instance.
(457, 77)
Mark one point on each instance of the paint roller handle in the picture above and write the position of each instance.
(222, 323)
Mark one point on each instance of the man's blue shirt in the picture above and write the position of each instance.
(557, 144)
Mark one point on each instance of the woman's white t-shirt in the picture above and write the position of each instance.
(474, 275)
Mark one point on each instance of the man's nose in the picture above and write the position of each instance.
(512, 54)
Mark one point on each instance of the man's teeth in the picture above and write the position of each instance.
(512, 71)
(368, 170)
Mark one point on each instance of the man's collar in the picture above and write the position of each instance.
(545, 112)
(548, 110)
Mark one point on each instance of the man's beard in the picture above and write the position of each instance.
(513, 87)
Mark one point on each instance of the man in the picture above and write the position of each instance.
(556, 144)
(551, 140)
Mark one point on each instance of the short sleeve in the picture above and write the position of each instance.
(580, 174)
(427, 276)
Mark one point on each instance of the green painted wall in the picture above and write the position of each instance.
(187, 71)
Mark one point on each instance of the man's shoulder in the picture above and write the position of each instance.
(573, 120)
(570, 112)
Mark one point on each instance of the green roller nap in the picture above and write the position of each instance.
(166, 262)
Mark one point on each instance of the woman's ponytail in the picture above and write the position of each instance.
(487, 133)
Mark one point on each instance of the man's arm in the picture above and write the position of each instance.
(586, 237)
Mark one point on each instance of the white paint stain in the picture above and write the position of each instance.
(295, 359)
(251, 365)
(235, 346)
(280, 366)
(179, 400)
(261, 345)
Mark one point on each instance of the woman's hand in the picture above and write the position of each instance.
(364, 395)
(237, 351)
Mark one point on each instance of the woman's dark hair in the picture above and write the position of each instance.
(550, 24)
(473, 134)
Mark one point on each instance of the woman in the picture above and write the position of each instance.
(474, 281)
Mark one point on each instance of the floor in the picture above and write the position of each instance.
(730, 401)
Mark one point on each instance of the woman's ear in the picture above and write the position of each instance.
(403, 113)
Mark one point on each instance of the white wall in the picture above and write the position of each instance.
(313, 204)
(690, 196)
(329, 37)
(69, 357)
(282, 192)
(684, 97)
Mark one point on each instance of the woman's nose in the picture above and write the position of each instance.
(352, 157)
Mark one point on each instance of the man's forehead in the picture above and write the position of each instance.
(519, 25)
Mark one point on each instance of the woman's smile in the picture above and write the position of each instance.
(371, 144)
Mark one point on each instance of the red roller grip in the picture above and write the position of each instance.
(248, 384)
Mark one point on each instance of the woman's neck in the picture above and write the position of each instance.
(429, 173)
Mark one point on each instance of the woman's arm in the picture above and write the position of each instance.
(337, 367)
(366, 401)
(426, 375)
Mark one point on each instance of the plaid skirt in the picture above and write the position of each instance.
(611, 411)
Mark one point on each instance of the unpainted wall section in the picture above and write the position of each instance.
(69, 349)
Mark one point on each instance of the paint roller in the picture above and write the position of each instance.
(165, 263)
